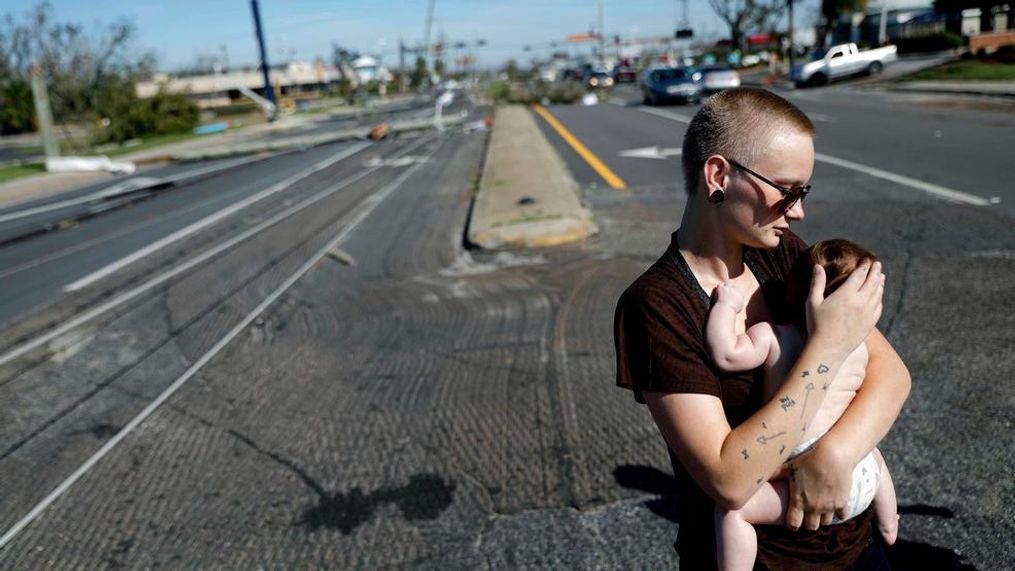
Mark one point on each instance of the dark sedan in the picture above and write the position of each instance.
(662, 85)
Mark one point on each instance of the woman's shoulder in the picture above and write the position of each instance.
(660, 288)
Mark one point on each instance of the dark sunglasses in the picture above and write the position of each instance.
(790, 195)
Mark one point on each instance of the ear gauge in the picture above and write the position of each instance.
(717, 196)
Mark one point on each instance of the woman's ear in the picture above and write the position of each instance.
(717, 171)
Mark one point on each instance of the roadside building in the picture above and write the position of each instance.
(217, 90)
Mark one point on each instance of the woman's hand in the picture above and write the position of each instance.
(819, 487)
(845, 318)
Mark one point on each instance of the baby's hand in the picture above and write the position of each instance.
(730, 296)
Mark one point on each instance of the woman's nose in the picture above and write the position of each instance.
(796, 212)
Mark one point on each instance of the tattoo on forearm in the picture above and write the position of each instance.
(744, 452)
(822, 369)
(809, 387)
(760, 480)
(806, 374)
(764, 439)
(825, 386)
(782, 449)
(786, 402)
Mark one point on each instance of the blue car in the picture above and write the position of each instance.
(665, 84)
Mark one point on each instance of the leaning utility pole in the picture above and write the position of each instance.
(269, 92)
(43, 114)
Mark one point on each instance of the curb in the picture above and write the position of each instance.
(99, 202)
(526, 197)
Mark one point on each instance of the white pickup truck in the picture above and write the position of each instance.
(842, 60)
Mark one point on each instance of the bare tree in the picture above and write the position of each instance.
(743, 16)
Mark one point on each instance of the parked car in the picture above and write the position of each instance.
(598, 77)
(716, 77)
(663, 84)
(840, 61)
(624, 74)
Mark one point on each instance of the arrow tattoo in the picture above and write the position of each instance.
(809, 387)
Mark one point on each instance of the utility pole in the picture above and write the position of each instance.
(269, 93)
(401, 66)
(789, 4)
(426, 37)
(601, 31)
(43, 113)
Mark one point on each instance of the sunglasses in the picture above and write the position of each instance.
(790, 195)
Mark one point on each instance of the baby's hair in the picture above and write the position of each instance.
(838, 257)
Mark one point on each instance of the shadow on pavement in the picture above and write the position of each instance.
(904, 555)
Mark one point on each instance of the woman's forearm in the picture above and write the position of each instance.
(876, 405)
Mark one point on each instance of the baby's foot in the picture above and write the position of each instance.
(889, 530)
(731, 296)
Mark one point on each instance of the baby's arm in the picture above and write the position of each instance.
(732, 352)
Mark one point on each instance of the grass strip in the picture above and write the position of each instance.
(967, 70)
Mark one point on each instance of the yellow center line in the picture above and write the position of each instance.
(583, 151)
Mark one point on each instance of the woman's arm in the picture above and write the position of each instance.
(731, 464)
(820, 479)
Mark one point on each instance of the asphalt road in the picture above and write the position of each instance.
(406, 403)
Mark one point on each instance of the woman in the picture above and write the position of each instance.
(747, 157)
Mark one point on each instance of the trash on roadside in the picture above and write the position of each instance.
(480, 125)
(89, 164)
(380, 131)
(341, 257)
(590, 99)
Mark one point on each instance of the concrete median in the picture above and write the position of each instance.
(526, 197)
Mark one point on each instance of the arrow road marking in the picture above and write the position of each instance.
(651, 153)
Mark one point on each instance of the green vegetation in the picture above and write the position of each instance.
(90, 77)
(968, 70)
(18, 171)
(936, 42)
(151, 142)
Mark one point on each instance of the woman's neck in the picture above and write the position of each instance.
(709, 253)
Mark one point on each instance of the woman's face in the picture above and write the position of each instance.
(753, 208)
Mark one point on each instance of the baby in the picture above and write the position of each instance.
(777, 347)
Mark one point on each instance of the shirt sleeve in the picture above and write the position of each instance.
(660, 347)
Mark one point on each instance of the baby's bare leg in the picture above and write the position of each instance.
(886, 505)
(736, 540)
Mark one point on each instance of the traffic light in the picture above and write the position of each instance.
(684, 33)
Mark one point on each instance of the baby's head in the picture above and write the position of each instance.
(838, 257)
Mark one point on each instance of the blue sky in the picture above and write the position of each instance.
(181, 30)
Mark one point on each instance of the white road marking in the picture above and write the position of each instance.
(162, 278)
(663, 113)
(206, 221)
(822, 118)
(369, 204)
(930, 188)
